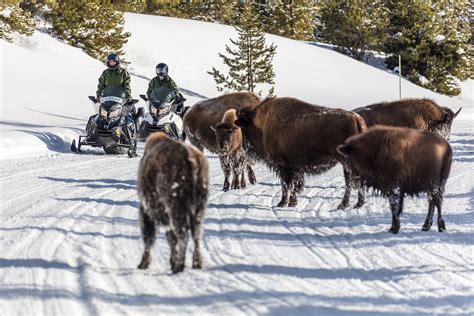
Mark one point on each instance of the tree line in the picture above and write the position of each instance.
(434, 38)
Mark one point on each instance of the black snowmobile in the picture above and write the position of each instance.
(165, 114)
(114, 127)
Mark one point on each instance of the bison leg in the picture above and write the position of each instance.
(178, 235)
(243, 184)
(226, 167)
(236, 179)
(429, 218)
(298, 186)
(287, 184)
(347, 193)
(395, 200)
(148, 228)
(441, 224)
(251, 174)
(361, 192)
(196, 230)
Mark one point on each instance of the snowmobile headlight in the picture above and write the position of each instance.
(115, 113)
(164, 110)
(153, 110)
(103, 113)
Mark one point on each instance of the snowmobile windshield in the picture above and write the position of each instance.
(162, 95)
(113, 97)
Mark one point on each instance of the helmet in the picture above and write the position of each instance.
(113, 61)
(161, 70)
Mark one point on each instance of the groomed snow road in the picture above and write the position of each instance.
(70, 242)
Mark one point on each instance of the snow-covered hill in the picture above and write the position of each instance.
(69, 230)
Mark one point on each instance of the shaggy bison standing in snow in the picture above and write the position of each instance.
(200, 122)
(401, 161)
(412, 113)
(231, 151)
(173, 189)
(295, 138)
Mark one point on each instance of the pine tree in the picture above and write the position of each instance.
(94, 26)
(355, 27)
(432, 39)
(14, 19)
(292, 18)
(251, 63)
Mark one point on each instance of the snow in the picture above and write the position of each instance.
(439, 38)
(70, 235)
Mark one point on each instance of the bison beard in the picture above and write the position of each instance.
(421, 114)
(173, 189)
(295, 138)
(200, 126)
(399, 162)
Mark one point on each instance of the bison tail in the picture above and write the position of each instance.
(361, 125)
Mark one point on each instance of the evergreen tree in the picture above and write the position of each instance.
(14, 19)
(432, 39)
(94, 26)
(292, 18)
(355, 27)
(251, 63)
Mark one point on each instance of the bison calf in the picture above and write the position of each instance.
(201, 119)
(231, 153)
(412, 113)
(401, 161)
(173, 189)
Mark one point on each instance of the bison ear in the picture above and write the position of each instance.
(242, 122)
(344, 150)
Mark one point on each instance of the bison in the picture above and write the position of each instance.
(295, 138)
(412, 113)
(172, 189)
(231, 151)
(401, 161)
(201, 119)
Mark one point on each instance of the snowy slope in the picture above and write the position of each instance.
(69, 226)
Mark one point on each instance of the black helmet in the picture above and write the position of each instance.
(113, 61)
(161, 70)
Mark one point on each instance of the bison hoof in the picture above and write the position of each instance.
(441, 226)
(197, 265)
(176, 268)
(394, 230)
(343, 206)
(282, 204)
(225, 189)
(293, 203)
(145, 263)
(426, 227)
(359, 205)
(252, 180)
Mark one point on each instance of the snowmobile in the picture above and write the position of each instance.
(165, 114)
(114, 127)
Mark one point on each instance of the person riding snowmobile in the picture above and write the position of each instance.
(162, 79)
(114, 75)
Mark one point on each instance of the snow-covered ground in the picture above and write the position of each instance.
(69, 227)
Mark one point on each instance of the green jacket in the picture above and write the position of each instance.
(118, 77)
(157, 83)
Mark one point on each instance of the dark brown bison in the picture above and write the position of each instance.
(200, 122)
(173, 189)
(412, 113)
(295, 138)
(231, 151)
(401, 161)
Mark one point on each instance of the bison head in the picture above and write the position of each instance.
(244, 117)
(355, 153)
(444, 127)
(228, 137)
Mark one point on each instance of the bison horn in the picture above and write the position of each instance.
(213, 128)
(456, 114)
(343, 150)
